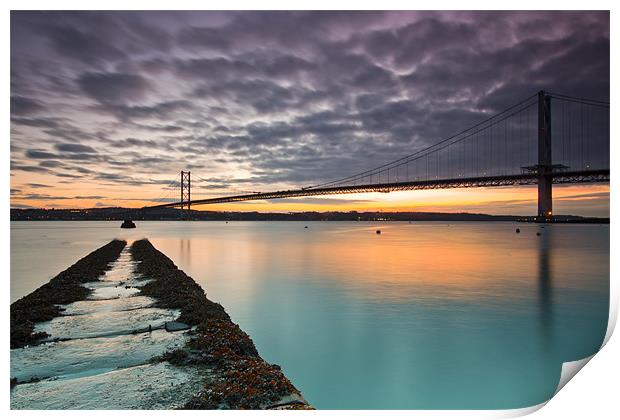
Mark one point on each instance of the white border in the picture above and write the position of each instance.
(594, 394)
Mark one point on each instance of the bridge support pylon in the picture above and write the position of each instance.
(545, 167)
(186, 194)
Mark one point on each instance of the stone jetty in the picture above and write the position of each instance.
(125, 328)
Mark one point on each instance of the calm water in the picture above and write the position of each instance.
(425, 315)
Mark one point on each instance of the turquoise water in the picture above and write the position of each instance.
(425, 315)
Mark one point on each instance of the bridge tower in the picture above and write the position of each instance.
(545, 166)
(186, 194)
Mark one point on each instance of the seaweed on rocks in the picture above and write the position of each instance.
(247, 384)
(177, 357)
(220, 336)
(243, 380)
(246, 381)
(42, 304)
(172, 287)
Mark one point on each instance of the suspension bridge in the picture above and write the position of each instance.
(545, 139)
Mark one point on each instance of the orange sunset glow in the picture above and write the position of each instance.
(589, 200)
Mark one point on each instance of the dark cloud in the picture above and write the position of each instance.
(29, 168)
(159, 110)
(69, 175)
(40, 154)
(74, 148)
(204, 37)
(66, 131)
(25, 106)
(113, 88)
(601, 194)
(46, 197)
(42, 197)
(92, 38)
(36, 122)
(83, 46)
(35, 185)
(51, 164)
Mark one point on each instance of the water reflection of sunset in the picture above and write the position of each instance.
(404, 262)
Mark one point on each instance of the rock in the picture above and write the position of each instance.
(378, 232)
(288, 402)
(176, 326)
(518, 230)
(128, 224)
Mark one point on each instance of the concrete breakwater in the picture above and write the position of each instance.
(136, 332)
(67, 287)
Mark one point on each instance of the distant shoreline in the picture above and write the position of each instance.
(119, 214)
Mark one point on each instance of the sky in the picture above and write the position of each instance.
(108, 107)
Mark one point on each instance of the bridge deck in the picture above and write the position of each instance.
(576, 177)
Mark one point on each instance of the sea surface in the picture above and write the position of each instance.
(423, 316)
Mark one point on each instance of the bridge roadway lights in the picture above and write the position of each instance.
(559, 176)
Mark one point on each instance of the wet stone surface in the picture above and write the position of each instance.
(156, 386)
(92, 355)
(108, 323)
(84, 307)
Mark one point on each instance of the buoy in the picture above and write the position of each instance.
(378, 232)
(128, 224)
(537, 233)
(305, 227)
(518, 230)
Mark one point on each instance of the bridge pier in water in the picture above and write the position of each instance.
(545, 166)
(186, 194)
